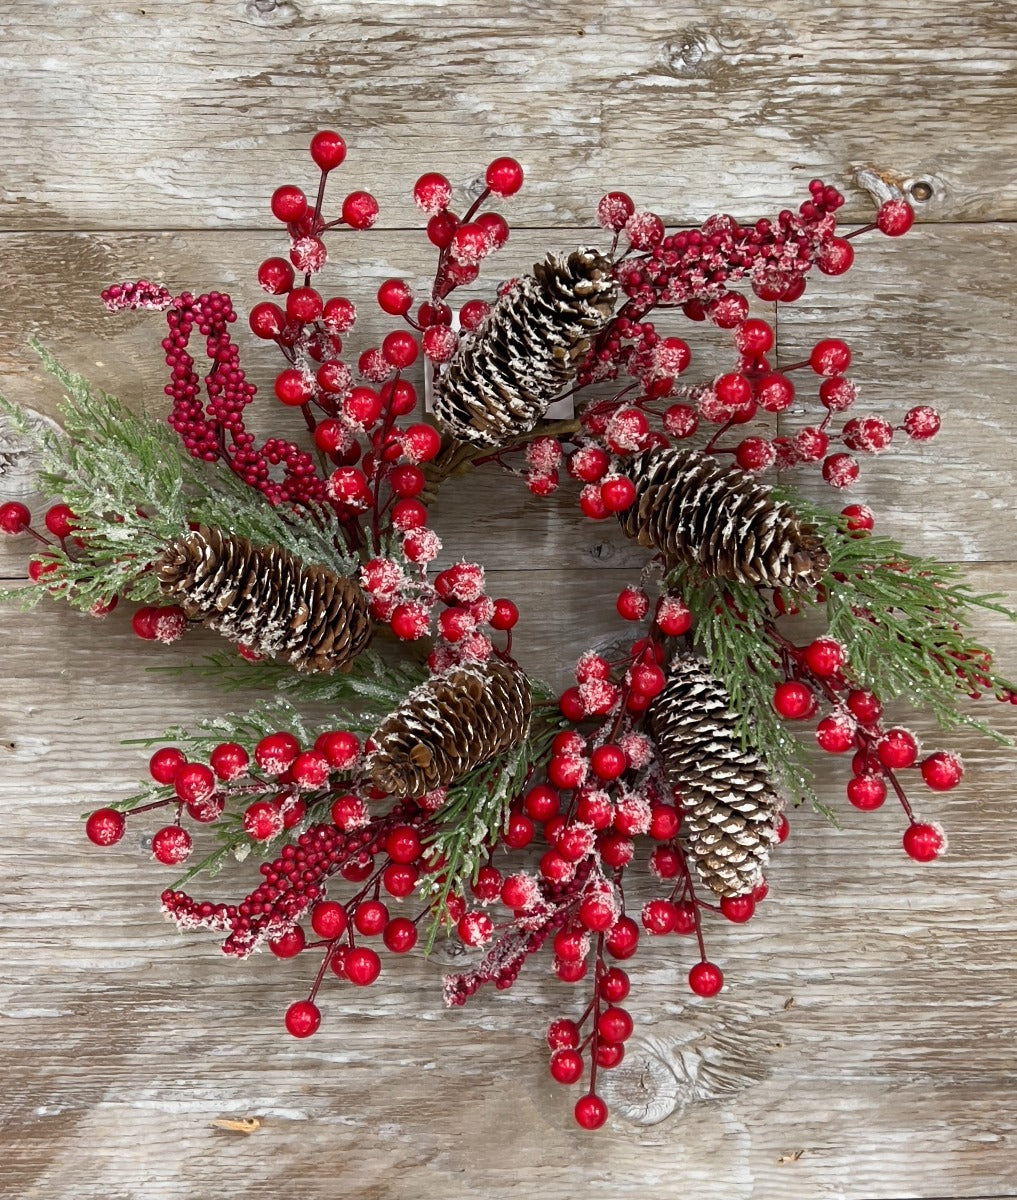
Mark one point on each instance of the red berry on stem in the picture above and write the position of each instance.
(623, 939)
(275, 753)
(303, 1018)
(289, 944)
(400, 348)
(614, 210)
(865, 706)
(165, 763)
(105, 826)
(276, 276)
(794, 700)
(14, 517)
(897, 749)
(633, 604)
(825, 657)
(328, 919)
(267, 320)
(288, 203)
(327, 149)
(566, 1066)
(895, 217)
(737, 909)
(921, 422)
(193, 782)
(706, 979)
(171, 845)
(830, 356)
(590, 1112)
(504, 177)
(432, 192)
(395, 297)
(923, 842)
(363, 966)
(942, 771)
(360, 210)
(60, 520)
(866, 792)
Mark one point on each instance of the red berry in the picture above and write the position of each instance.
(432, 192)
(942, 771)
(617, 493)
(895, 217)
(921, 422)
(614, 210)
(399, 879)
(403, 844)
(647, 679)
(327, 149)
(288, 203)
(665, 821)
(504, 176)
(276, 276)
(658, 917)
(262, 820)
(755, 454)
(737, 909)
(519, 832)
(193, 782)
(60, 520)
(608, 761)
(774, 393)
(400, 348)
(400, 935)
(289, 944)
(171, 845)
(441, 228)
(105, 826)
(865, 706)
(830, 356)
(395, 297)
(623, 939)
(164, 764)
(339, 315)
(825, 657)
(866, 792)
(897, 749)
(328, 919)
(275, 753)
(614, 986)
(633, 604)
(836, 733)
(303, 1018)
(566, 1066)
(923, 842)
(590, 1112)
(360, 210)
(754, 337)
(840, 470)
(597, 912)
(836, 256)
(293, 387)
(858, 518)
(706, 979)
(363, 966)
(229, 760)
(266, 320)
(794, 700)
(14, 517)
(615, 1024)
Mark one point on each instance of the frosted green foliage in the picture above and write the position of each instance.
(369, 689)
(133, 488)
(476, 810)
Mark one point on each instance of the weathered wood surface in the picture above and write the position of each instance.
(864, 1046)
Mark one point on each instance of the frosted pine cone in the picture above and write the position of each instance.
(506, 375)
(694, 510)
(450, 724)
(266, 598)
(730, 807)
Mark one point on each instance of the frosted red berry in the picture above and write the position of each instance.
(288, 203)
(171, 845)
(360, 210)
(825, 657)
(275, 753)
(941, 771)
(830, 356)
(923, 842)
(921, 422)
(288, 944)
(193, 782)
(105, 826)
(276, 276)
(633, 604)
(895, 217)
(897, 749)
(866, 792)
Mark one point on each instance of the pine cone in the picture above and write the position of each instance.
(505, 376)
(266, 598)
(694, 510)
(450, 724)
(730, 808)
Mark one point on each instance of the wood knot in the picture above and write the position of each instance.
(644, 1089)
(690, 53)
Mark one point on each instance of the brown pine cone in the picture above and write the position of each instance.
(694, 510)
(729, 805)
(505, 375)
(447, 726)
(266, 598)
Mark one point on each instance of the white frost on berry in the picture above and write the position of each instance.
(421, 545)
(599, 696)
(543, 454)
(638, 750)
(626, 430)
(635, 809)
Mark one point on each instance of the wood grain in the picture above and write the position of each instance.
(863, 1047)
(179, 111)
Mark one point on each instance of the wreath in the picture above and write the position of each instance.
(446, 792)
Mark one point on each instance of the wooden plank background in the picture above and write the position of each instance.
(864, 1045)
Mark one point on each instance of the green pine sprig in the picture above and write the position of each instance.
(133, 487)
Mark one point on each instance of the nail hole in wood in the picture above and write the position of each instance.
(921, 190)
